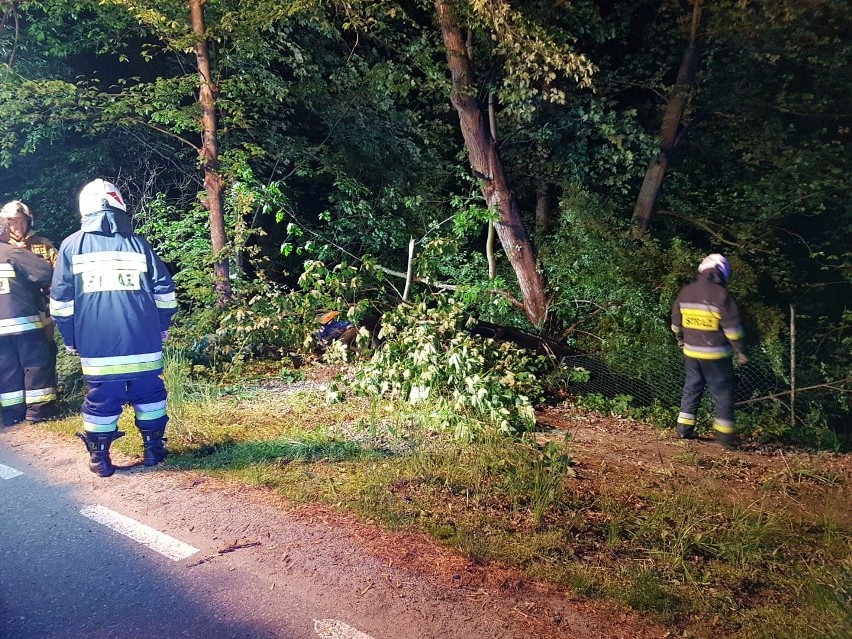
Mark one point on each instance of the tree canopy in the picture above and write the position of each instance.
(347, 129)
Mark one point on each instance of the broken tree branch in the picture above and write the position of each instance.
(830, 385)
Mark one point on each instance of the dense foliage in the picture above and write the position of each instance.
(468, 383)
(339, 144)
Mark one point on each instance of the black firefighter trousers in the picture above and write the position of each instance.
(27, 377)
(718, 375)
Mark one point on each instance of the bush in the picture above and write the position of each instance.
(470, 383)
(268, 323)
(267, 320)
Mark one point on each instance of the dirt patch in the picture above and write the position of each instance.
(611, 452)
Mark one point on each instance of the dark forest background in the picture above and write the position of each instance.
(559, 167)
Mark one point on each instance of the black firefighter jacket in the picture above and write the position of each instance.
(706, 318)
(22, 275)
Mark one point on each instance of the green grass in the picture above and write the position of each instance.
(689, 456)
(703, 565)
(297, 447)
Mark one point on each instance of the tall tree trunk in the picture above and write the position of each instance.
(486, 164)
(644, 209)
(214, 201)
(542, 210)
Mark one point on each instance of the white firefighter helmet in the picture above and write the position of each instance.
(717, 261)
(99, 195)
(14, 209)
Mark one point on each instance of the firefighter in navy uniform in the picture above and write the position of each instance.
(707, 325)
(113, 299)
(26, 385)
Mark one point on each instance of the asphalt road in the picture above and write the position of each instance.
(65, 575)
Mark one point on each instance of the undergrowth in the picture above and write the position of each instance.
(465, 384)
(704, 565)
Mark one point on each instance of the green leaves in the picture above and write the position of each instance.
(534, 55)
(470, 385)
(37, 112)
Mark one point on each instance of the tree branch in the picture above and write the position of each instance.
(706, 228)
(409, 276)
(830, 385)
(197, 149)
(451, 287)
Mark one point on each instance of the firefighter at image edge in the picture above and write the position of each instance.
(26, 384)
(113, 299)
(706, 322)
(20, 220)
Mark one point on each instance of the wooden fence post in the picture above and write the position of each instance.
(792, 366)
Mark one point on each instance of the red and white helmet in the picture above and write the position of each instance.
(717, 261)
(99, 195)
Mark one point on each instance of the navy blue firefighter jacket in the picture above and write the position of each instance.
(111, 297)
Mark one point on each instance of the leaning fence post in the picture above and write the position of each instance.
(792, 366)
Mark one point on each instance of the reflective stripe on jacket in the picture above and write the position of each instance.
(707, 319)
(111, 297)
(22, 275)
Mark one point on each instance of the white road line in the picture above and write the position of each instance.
(172, 548)
(7, 472)
(334, 629)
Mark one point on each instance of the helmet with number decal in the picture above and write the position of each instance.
(100, 195)
(16, 208)
(717, 261)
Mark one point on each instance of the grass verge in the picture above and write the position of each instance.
(702, 565)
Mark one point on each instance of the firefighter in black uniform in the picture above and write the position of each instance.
(707, 325)
(27, 389)
(20, 220)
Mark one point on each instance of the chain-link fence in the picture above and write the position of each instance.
(806, 370)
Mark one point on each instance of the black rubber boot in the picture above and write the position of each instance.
(155, 450)
(98, 446)
(685, 432)
(728, 441)
(42, 413)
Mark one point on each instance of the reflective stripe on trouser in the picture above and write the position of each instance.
(150, 415)
(724, 426)
(27, 377)
(718, 376)
(12, 398)
(100, 423)
(687, 419)
(105, 400)
(149, 404)
(40, 395)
